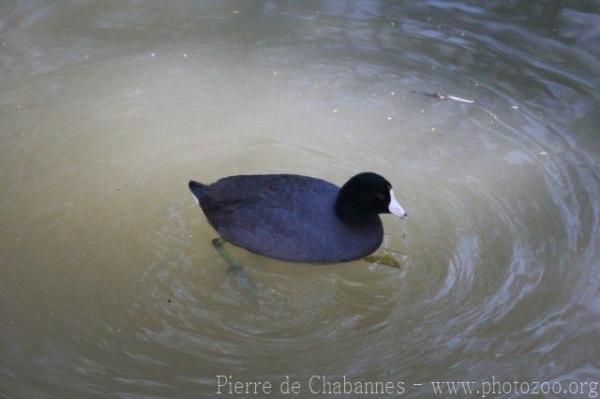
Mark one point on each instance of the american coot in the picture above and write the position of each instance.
(299, 218)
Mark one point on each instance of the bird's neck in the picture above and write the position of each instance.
(347, 207)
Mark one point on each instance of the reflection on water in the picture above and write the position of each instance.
(109, 286)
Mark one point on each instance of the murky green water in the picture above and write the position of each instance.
(109, 286)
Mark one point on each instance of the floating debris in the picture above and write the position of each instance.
(454, 98)
(444, 97)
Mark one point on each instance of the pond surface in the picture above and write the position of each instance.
(109, 285)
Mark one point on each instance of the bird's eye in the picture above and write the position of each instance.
(380, 196)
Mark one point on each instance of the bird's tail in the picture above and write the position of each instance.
(198, 189)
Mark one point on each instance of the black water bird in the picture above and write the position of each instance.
(299, 218)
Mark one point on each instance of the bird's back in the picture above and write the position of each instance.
(288, 217)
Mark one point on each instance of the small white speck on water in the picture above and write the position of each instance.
(185, 55)
(190, 236)
(389, 118)
(392, 23)
(86, 56)
(335, 110)
(392, 93)
(543, 153)
(422, 111)
(514, 106)
(152, 54)
(462, 33)
(274, 72)
(433, 129)
(236, 11)
(476, 84)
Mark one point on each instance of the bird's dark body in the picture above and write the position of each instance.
(288, 217)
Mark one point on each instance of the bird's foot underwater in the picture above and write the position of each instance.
(234, 269)
(384, 259)
(242, 278)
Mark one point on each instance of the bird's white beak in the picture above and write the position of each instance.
(395, 208)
